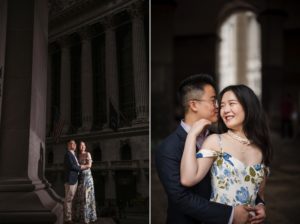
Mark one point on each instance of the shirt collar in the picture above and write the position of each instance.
(200, 138)
(185, 126)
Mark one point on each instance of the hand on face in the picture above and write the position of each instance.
(203, 104)
(199, 126)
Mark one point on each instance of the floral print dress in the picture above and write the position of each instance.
(233, 182)
(85, 204)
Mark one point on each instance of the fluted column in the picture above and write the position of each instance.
(272, 34)
(241, 47)
(65, 84)
(3, 22)
(86, 79)
(140, 70)
(49, 88)
(24, 195)
(111, 65)
(110, 187)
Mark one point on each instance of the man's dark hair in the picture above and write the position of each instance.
(192, 83)
(70, 140)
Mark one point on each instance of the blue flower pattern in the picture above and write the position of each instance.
(233, 183)
(242, 195)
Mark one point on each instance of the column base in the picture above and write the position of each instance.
(22, 202)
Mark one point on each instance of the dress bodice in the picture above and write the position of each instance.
(233, 182)
(84, 158)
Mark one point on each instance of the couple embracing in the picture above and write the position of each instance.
(216, 178)
(79, 203)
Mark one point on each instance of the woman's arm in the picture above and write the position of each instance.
(260, 210)
(261, 190)
(89, 160)
(193, 170)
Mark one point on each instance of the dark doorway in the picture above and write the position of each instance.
(125, 187)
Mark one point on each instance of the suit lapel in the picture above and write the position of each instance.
(181, 133)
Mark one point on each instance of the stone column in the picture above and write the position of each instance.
(86, 79)
(162, 64)
(140, 69)
(110, 188)
(65, 84)
(24, 196)
(3, 21)
(241, 47)
(272, 24)
(111, 65)
(49, 92)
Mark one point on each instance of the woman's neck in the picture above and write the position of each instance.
(238, 132)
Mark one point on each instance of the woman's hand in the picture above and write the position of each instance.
(260, 214)
(83, 167)
(199, 126)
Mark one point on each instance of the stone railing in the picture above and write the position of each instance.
(106, 165)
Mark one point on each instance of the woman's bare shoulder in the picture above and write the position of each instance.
(212, 142)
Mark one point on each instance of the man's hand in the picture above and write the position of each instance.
(260, 214)
(241, 214)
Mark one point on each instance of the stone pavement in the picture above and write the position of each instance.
(282, 193)
(101, 221)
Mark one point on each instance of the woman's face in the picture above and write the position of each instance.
(231, 111)
(82, 147)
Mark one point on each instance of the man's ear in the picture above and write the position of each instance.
(193, 105)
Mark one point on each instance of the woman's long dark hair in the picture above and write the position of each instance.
(255, 124)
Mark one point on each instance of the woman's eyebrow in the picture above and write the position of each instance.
(222, 102)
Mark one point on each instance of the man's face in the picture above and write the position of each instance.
(72, 145)
(206, 104)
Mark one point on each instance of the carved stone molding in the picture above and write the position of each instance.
(58, 7)
(64, 41)
(136, 10)
(85, 33)
(108, 22)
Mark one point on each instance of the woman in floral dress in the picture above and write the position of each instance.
(85, 207)
(238, 158)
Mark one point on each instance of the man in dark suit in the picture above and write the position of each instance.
(71, 169)
(191, 205)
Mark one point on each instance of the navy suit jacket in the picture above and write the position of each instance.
(71, 168)
(186, 205)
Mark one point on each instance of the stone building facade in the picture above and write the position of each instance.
(98, 92)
